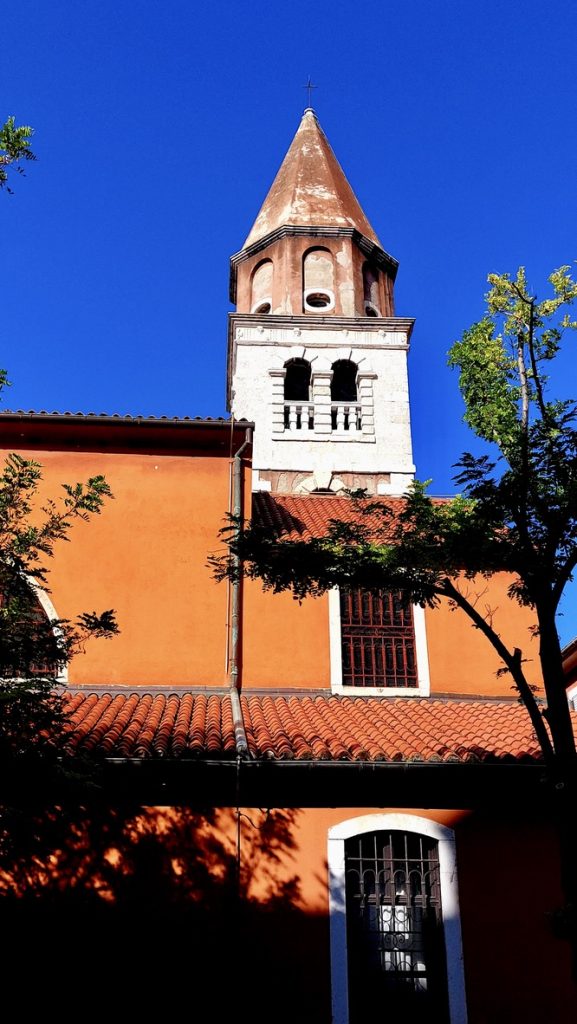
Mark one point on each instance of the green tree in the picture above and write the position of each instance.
(14, 148)
(517, 513)
(34, 648)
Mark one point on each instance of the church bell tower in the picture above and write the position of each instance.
(317, 358)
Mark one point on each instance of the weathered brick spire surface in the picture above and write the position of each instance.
(310, 189)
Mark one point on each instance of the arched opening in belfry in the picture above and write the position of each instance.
(345, 411)
(344, 382)
(371, 290)
(261, 288)
(298, 407)
(297, 382)
(318, 281)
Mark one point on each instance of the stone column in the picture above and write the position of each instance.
(277, 399)
(366, 401)
(321, 381)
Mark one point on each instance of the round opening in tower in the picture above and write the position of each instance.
(314, 300)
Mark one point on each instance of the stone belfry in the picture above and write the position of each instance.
(317, 358)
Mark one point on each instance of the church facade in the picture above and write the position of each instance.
(353, 776)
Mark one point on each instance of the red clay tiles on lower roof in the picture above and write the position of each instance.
(147, 725)
(300, 517)
(333, 728)
(296, 728)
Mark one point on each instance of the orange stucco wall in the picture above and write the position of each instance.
(461, 660)
(515, 966)
(285, 643)
(159, 888)
(145, 556)
(172, 615)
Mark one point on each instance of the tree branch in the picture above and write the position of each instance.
(523, 383)
(511, 660)
(563, 578)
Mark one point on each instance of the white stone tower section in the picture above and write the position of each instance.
(317, 358)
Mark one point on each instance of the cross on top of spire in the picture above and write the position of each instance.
(310, 88)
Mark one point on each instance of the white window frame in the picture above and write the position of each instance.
(266, 301)
(318, 291)
(423, 687)
(50, 611)
(445, 838)
(52, 616)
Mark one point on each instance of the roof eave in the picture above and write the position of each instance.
(294, 783)
(69, 430)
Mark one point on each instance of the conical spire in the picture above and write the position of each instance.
(310, 189)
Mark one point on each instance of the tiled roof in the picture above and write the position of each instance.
(302, 728)
(61, 431)
(333, 728)
(115, 417)
(300, 517)
(147, 725)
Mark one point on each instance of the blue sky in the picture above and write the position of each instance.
(159, 128)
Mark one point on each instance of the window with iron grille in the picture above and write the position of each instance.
(395, 941)
(378, 639)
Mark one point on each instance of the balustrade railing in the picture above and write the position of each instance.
(346, 416)
(299, 416)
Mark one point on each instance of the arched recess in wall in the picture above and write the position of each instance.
(371, 298)
(261, 288)
(318, 281)
(37, 608)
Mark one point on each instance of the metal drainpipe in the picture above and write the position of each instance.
(233, 674)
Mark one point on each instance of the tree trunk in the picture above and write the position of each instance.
(558, 713)
(564, 782)
(565, 920)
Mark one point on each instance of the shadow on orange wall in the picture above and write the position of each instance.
(127, 911)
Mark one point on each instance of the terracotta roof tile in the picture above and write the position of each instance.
(300, 517)
(302, 728)
(8, 414)
(146, 725)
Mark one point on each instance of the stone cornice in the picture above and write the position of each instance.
(315, 321)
